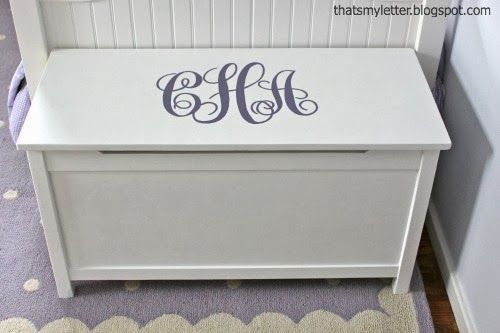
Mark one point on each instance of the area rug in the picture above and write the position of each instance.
(29, 303)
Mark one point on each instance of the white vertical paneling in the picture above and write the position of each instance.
(340, 26)
(202, 24)
(162, 15)
(242, 23)
(262, 20)
(103, 24)
(182, 19)
(143, 23)
(411, 37)
(122, 18)
(321, 21)
(222, 23)
(301, 23)
(58, 18)
(282, 23)
(379, 28)
(398, 31)
(84, 25)
(402, 31)
(360, 26)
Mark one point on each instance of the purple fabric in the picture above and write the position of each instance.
(18, 102)
(15, 83)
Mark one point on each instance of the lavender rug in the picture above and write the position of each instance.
(29, 303)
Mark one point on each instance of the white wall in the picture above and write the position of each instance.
(467, 187)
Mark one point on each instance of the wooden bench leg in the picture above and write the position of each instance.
(64, 288)
(416, 218)
(48, 212)
(401, 285)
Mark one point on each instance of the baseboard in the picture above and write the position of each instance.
(454, 289)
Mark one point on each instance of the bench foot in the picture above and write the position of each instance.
(65, 289)
(400, 285)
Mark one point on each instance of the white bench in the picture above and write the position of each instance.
(134, 182)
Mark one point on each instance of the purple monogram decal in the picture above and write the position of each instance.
(181, 98)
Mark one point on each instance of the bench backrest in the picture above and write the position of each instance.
(43, 25)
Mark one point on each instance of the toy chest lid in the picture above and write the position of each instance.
(233, 100)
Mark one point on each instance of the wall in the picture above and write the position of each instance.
(467, 188)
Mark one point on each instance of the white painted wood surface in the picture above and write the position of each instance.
(31, 38)
(363, 103)
(416, 218)
(51, 223)
(247, 217)
(206, 216)
(350, 200)
(243, 161)
(232, 272)
(221, 23)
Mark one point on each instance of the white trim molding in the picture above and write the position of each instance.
(459, 304)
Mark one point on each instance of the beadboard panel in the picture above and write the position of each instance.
(221, 23)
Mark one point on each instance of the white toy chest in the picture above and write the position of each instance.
(233, 164)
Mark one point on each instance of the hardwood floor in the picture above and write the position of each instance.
(442, 315)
